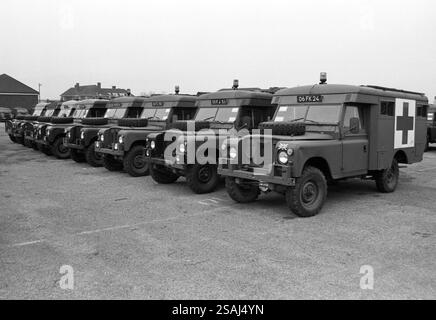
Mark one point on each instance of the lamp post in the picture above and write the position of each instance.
(39, 92)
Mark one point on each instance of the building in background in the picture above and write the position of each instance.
(79, 92)
(16, 95)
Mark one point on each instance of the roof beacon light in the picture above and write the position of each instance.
(235, 84)
(177, 89)
(323, 78)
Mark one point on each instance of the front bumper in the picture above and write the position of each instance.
(77, 145)
(280, 175)
(111, 151)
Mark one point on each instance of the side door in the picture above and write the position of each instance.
(355, 146)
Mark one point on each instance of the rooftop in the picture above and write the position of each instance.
(11, 85)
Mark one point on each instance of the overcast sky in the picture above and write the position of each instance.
(204, 45)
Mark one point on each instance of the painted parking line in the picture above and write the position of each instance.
(115, 228)
(211, 201)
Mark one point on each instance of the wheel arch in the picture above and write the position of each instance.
(321, 164)
(401, 157)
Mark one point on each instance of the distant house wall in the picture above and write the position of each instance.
(18, 101)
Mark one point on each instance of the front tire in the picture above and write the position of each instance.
(241, 193)
(12, 138)
(59, 150)
(135, 163)
(308, 196)
(387, 180)
(202, 178)
(163, 175)
(111, 164)
(93, 158)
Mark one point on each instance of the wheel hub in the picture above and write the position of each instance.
(205, 174)
(309, 192)
(138, 162)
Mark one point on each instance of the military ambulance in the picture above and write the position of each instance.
(31, 121)
(22, 126)
(123, 145)
(81, 138)
(218, 112)
(66, 109)
(431, 126)
(323, 133)
(78, 111)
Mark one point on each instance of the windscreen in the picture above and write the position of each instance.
(222, 114)
(322, 114)
(49, 113)
(116, 110)
(65, 112)
(37, 112)
(156, 113)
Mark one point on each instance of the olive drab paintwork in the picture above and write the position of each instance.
(174, 108)
(237, 103)
(372, 127)
(124, 144)
(83, 135)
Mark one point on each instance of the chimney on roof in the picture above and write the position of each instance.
(128, 92)
(114, 87)
(77, 85)
(99, 85)
(177, 89)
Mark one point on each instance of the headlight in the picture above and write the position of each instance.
(152, 144)
(283, 157)
(121, 139)
(82, 135)
(233, 153)
(47, 132)
(68, 135)
(102, 137)
(182, 148)
(290, 152)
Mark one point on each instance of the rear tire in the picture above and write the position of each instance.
(135, 162)
(241, 193)
(110, 163)
(77, 156)
(387, 180)
(12, 138)
(308, 196)
(94, 159)
(162, 175)
(59, 150)
(202, 178)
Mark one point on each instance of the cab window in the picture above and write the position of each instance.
(184, 113)
(250, 117)
(134, 112)
(353, 112)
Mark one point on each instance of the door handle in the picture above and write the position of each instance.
(365, 149)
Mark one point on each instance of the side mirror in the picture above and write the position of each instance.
(354, 125)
